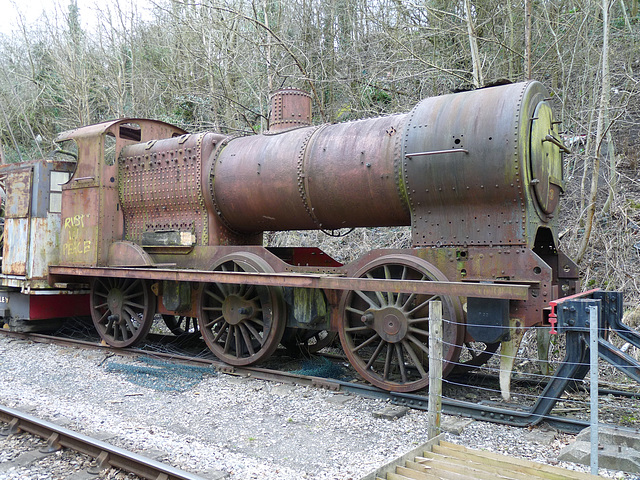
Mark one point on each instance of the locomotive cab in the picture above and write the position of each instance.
(91, 213)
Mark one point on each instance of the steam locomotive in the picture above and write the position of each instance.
(146, 220)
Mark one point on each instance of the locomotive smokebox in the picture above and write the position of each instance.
(475, 168)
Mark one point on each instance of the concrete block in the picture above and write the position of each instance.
(613, 458)
(391, 412)
(626, 437)
(339, 399)
(617, 449)
(455, 425)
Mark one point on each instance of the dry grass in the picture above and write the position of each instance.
(345, 248)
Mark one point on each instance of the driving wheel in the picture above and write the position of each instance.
(241, 324)
(385, 335)
(122, 310)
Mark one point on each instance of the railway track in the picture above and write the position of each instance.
(106, 455)
(484, 410)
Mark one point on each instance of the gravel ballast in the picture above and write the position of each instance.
(225, 426)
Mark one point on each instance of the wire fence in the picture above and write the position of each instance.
(619, 399)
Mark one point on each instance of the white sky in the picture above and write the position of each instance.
(33, 10)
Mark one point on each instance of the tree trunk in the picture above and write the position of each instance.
(600, 131)
(478, 81)
(527, 39)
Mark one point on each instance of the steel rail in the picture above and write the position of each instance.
(303, 280)
(106, 454)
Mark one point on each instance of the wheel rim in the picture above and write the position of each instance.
(385, 335)
(122, 310)
(181, 325)
(241, 324)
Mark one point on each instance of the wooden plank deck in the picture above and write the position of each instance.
(441, 460)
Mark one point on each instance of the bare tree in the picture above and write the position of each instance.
(601, 130)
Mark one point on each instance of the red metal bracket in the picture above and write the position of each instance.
(553, 317)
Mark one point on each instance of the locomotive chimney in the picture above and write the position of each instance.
(290, 108)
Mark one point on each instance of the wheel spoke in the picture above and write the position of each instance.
(123, 330)
(258, 321)
(100, 306)
(132, 285)
(363, 328)
(381, 300)
(368, 341)
(409, 299)
(403, 372)
(213, 322)
(354, 310)
(132, 313)
(387, 276)
(223, 288)
(419, 331)
(414, 358)
(210, 293)
(387, 362)
(223, 328)
(227, 342)
(131, 327)
(375, 355)
(422, 305)
(127, 296)
(255, 333)
(134, 306)
(249, 291)
(366, 298)
(247, 339)
(238, 341)
(104, 286)
(417, 342)
(419, 320)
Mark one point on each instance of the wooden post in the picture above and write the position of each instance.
(435, 368)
